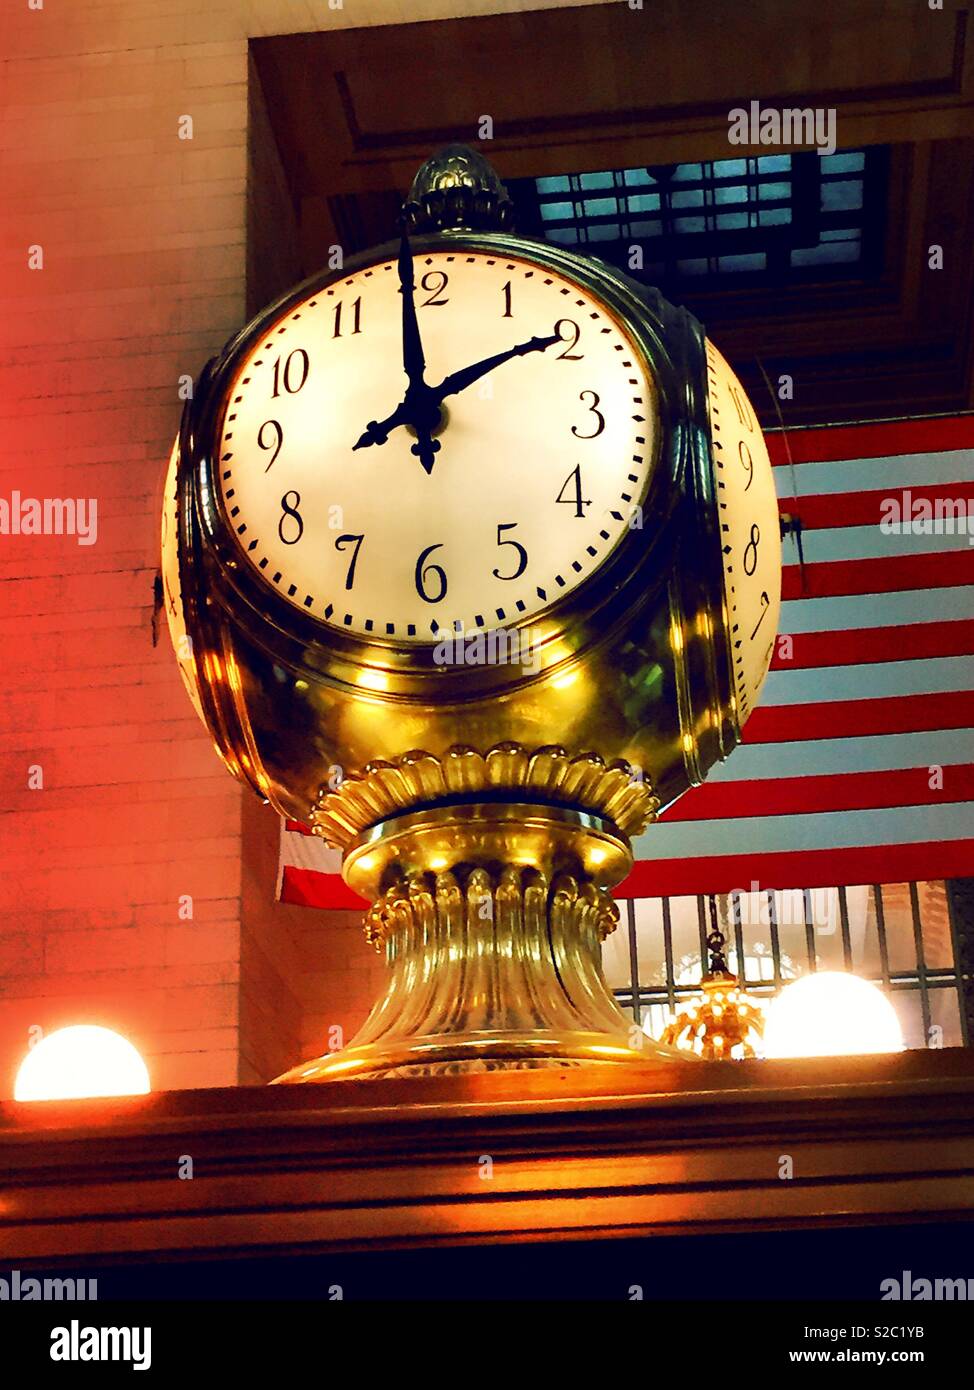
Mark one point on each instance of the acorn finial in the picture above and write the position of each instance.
(457, 189)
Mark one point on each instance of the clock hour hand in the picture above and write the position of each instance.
(421, 404)
(459, 381)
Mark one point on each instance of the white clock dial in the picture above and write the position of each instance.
(747, 509)
(542, 466)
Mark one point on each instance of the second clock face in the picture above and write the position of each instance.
(750, 534)
(542, 468)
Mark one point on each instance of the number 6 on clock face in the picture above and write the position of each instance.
(539, 468)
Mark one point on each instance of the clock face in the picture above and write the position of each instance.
(542, 466)
(747, 508)
(172, 595)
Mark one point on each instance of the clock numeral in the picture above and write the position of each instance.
(356, 542)
(522, 554)
(273, 444)
(569, 332)
(291, 386)
(743, 408)
(431, 569)
(600, 418)
(356, 318)
(751, 550)
(744, 454)
(765, 605)
(506, 292)
(290, 509)
(434, 282)
(578, 501)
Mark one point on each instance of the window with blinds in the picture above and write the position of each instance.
(793, 216)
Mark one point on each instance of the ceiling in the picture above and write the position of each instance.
(351, 115)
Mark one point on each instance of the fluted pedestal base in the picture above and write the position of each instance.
(495, 961)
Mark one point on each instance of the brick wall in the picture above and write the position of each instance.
(144, 239)
(143, 277)
(303, 974)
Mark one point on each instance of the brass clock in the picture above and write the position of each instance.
(472, 559)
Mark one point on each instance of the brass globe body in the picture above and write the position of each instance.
(629, 702)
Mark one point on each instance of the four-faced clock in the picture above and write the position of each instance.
(474, 431)
(450, 441)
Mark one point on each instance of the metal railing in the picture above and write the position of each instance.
(901, 936)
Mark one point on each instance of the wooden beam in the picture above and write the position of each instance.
(572, 1154)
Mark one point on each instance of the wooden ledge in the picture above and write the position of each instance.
(578, 1153)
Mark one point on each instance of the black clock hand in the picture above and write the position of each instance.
(420, 405)
(422, 416)
(418, 409)
(426, 448)
(413, 359)
(459, 381)
(378, 431)
(432, 396)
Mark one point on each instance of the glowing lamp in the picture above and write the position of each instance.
(80, 1061)
(722, 1022)
(831, 1014)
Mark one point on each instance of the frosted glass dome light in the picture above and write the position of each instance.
(831, 1014)
(83, 1060)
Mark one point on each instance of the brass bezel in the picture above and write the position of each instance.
(633, 570)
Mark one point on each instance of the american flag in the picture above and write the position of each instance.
(858, 764)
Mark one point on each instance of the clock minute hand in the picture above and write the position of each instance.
(414, 365)
(413, 358)
(459, 381)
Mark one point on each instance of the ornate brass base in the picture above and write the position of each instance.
(491, 918)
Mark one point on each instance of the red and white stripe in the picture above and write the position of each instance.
(309, 872)
(836, 781)
(832, 784)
